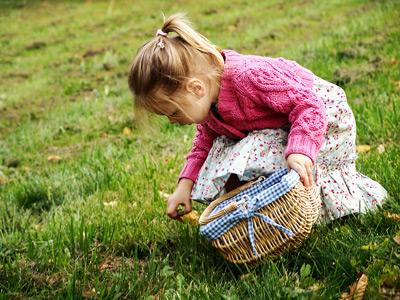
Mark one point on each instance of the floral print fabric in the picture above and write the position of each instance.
(342, 189)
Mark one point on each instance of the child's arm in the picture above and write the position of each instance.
(202, 144)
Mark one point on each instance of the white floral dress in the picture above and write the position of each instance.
(342, 189)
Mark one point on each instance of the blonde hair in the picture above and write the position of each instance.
(164, 68)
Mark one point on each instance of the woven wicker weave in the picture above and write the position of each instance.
(296, 210)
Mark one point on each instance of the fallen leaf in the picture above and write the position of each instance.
(89, 293)
(93, 52)
(392, 216)
(232, 28)
(132, 205)
(397, 238)
(54, 158)
(397, 85)
(370, 246)
(3, 180)
(111, 203)
(164, 195)
(26, 169)
(55, 279)
(245, 276)
(315, 287)
(192, 217)
(127, 131)
(352, 289)
(249, 277)
(363, 148)
(361, 287)
(110, 264)
(390, 287)
(381, 148)
(38, 226)
(393, 61)
(356, 290)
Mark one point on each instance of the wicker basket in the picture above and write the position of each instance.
(296, 211)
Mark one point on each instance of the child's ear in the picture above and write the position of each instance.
(196, 86)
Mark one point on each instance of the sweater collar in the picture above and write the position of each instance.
(230, 58)
(226, 91)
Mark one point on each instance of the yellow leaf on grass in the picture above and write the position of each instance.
(54, 158)
(249, 278)
(89, 293)
(126, 131)
(381, 148)
(192, 217)
(3, 179)
(370, 246)
(397, 85)
(315, 287)
(38, 226)
(164, 195)
(363, 148)
(232, 28)
(392, 216)
(397, 238)
(111, 203)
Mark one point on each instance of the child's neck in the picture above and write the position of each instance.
(214, 92)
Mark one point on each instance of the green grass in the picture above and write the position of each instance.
(93, 224)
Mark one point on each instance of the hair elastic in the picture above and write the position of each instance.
(161, 45)
(160, 32)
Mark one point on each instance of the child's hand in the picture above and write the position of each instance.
(180, 196)
(303, 165)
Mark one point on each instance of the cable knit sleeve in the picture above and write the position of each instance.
(283, 92)
(202, 144)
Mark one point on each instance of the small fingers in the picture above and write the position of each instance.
(310, 175)
(303, 166)
(188, 208)
(304, 176)
(173, 213)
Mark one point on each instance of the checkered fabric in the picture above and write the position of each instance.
(249, 202)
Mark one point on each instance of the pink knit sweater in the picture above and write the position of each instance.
(258, 93)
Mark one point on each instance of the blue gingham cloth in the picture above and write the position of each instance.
(249, 202)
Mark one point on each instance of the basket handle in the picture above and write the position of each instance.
(205, 217)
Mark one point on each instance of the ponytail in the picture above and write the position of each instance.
(179, 24)
(165, 62)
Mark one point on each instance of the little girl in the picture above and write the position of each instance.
(254, 115)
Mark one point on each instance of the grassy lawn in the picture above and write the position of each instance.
(81, 213)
